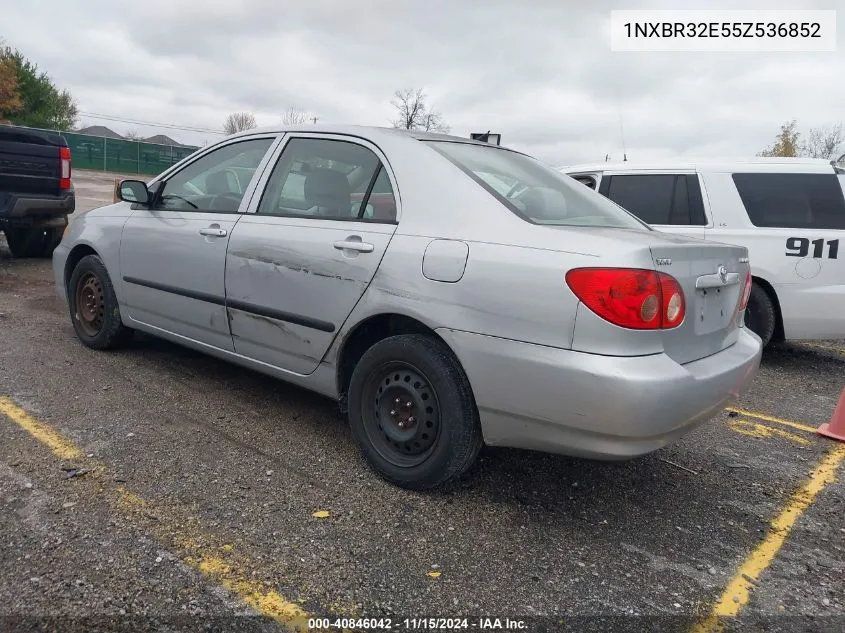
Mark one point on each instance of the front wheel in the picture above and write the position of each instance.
(94, 310)
(412, 412)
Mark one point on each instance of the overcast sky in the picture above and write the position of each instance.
(539, 71)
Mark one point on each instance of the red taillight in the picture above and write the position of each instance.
(64, 176)
(746, 292)
(630, 297)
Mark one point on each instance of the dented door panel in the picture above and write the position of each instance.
(291, 283)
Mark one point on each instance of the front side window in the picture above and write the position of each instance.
(329, 179)
(532, 190)
(798, 201)
(216, 182)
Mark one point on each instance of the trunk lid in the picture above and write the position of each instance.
(712, 276)
(711, 302)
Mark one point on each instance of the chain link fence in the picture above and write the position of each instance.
(122, 155)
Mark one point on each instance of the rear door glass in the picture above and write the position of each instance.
(649, 197)
(800, 201)
(661, 199)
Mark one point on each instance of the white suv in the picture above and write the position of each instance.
(788, 212)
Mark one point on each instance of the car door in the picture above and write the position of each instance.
(300, 260)
(173, 253)
(669, 201)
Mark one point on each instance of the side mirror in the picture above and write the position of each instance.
(134, 191)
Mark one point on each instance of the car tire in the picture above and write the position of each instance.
(760, 314)
(412, 412)
(33, 242)
(94, 310)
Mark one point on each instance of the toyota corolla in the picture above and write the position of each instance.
(448, 293)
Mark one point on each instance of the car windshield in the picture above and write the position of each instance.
(534, 191)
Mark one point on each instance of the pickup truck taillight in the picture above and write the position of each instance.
(64, 176)
(631, 298)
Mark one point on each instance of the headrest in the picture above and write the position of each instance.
(327, 187)
(217, 183)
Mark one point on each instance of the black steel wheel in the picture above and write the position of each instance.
(94, 310)
(404, 423)
(90, 304)
(412, 412)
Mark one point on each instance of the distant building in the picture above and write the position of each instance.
(99, 130)
(161, 139)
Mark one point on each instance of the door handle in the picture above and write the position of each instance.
(213, 232)
(354, 245)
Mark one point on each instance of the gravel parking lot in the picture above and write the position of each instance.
(157, 485)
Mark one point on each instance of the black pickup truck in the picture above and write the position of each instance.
(36, 193)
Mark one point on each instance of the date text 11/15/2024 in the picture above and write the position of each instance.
(416, 624)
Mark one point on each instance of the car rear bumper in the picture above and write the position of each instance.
(587, 405)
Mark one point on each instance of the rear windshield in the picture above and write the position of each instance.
(798, 201)
(534, 191)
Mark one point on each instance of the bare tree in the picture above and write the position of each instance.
(824, 142)
(238, 122)
(433, 122)
(294, 116)
(132, 135)
(412, 112)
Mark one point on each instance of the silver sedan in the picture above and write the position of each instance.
(447, 293)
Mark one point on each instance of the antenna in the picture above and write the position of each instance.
(621, 125)
(314, 119)
(622, 136)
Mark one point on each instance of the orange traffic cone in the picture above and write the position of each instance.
(835, 429)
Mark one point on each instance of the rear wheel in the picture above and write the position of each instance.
(412, 412)
(93, 305)
(33, 242)
(760, 314)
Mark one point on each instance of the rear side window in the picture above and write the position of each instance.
(329, 179)
(663, 199)
(798, 201)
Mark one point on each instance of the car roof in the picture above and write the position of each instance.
(755, 164)
(371, 132)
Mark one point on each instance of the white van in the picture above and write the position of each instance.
(788, 212)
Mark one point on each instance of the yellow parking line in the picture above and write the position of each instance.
(769, 418)
(755, 429)
(736, 594)
(829, 348)
(224, 568)
(60, 446)
(228, 569)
